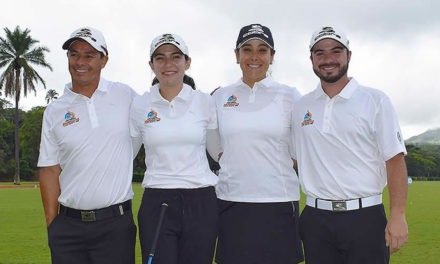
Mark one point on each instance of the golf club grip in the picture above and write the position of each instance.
(164, 207)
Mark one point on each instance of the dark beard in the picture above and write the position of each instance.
(332, 79)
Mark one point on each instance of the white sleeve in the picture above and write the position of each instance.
(213, 143)
(292, 149)
(388, 133)
(136, 135)
(212, 124)
(48, 146)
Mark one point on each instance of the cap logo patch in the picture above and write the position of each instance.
(152, 117)
(85, 33)
(255, 29)
(166, 38)
(307, 119)
(69, 118)
(327, 31)
(231, 102)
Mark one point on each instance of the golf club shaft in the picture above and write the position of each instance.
(164, 207)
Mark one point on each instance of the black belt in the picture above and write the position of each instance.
(98, 214)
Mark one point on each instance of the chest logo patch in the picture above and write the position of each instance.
(70, 118)
(232, 101)
(152, 117)
(307, 119)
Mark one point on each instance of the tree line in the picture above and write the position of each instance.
(423, 161)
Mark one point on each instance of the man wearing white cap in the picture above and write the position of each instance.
(86, 161)
(348, 146)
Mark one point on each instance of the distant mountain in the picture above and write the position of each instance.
(431, 136)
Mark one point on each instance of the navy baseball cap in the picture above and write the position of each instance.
(255, 31)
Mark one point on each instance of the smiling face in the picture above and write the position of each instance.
(169, 65)
(85, 65)
(330, 61)
(254, 58)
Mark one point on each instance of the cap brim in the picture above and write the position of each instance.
(168, 43)
(68, 42)
(244, 42)
(329, 37)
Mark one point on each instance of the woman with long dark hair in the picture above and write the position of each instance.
(172, 121)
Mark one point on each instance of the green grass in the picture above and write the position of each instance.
(21, 183)
(23, 236)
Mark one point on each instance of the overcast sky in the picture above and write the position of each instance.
(395, 44)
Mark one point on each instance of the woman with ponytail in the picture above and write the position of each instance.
(172, 121)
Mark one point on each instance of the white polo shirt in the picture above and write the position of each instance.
(174, 137)
(90, 139)
(255, 127)
(342, 143)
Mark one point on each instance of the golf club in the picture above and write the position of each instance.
(163, 207)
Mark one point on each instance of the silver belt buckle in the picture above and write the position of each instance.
(339, 206)
(88, 216)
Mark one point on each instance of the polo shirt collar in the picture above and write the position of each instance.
(345, 93)
(266, 82)
(71, 96)
(183, 95)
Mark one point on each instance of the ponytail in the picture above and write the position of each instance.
(189, 81)
(186, 80)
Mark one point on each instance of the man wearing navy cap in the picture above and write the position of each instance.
(86, 161)
(348, 147)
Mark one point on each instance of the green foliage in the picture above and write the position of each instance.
(423, 161)
(6, 149)
(139, 166)
(30, 135)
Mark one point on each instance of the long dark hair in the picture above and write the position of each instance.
(186, 79)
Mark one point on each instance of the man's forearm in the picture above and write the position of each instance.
(50, 191)
(397, 184)
(396, 232)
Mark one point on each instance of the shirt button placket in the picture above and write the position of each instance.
(327, 115)
(172, 109)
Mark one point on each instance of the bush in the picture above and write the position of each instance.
(138, 176)
(424, 178)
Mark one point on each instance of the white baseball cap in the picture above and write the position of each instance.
(329, 33)
(172, 39)
(90, 35)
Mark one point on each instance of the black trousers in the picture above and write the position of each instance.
(351, 237)
(253, 233)
(189, 229)
(111, 240)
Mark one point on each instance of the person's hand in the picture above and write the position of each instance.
(396, 233)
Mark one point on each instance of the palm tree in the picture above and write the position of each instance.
(51, 95)
(17, 54)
